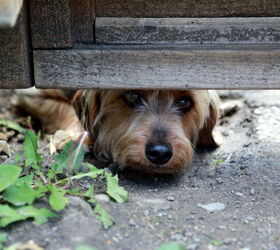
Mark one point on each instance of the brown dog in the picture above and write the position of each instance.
(150, 130)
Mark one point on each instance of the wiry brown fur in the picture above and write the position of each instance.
(119, 132)
(52, 108)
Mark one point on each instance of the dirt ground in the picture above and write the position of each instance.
(241, 178)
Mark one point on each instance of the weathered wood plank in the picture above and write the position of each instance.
(83, 20)
(186, 30)
(15, 64)
(187, 8)
(51, 24)
(9, 11)
(166, 67)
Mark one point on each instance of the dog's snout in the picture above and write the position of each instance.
(158, 153)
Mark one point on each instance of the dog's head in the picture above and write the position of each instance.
(151, 130)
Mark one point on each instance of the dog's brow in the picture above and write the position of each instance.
(160, 102)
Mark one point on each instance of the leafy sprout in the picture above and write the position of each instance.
(22, 184)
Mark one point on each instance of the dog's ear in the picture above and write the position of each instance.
(86, 104)
(209, 135)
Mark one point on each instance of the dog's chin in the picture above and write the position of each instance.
(155, 169)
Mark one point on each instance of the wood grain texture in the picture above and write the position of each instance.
(15, 64)
(83, 17)
(9, 11)
(51, 24)
(186, 30)
(187, 8)
(163, 67)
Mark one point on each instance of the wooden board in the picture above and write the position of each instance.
(83, 17)
(239, 66)
(186, 30)
(51, 24)
(15, 59)
(187, 8)
(9, 11)
(61, 23)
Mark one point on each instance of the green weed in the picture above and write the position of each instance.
(22, 184)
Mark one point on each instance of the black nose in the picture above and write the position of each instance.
(158, 153)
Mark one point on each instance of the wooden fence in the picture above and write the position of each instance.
(216, 44)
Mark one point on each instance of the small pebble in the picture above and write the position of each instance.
(141, 243)
(3, 110)
(192, 247)
(194, 183)
(240, 194)
(102, 198)
(225, 133)
(132, 223)
(3, 158)
(120, 237)
(115, 239)
(258, 111)
(197, 240)
(246, 222)
(170, 217)
(170, 198)
(177, 237)
(227, 241)
(250, 218)
(219, 180)
(260, 230)
(212, 207)
(5, 148)
(234, 217)
(252, 191)
(232, 160)
(243, 166)
(20, 138)
(146, 212)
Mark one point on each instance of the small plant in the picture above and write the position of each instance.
(25, 182)
(172, 246)
(219, 161)
(11, 125)
(216, 242)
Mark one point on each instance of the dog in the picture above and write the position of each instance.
(149, 130)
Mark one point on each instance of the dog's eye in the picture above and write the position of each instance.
(132, 98)
(184, 104)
